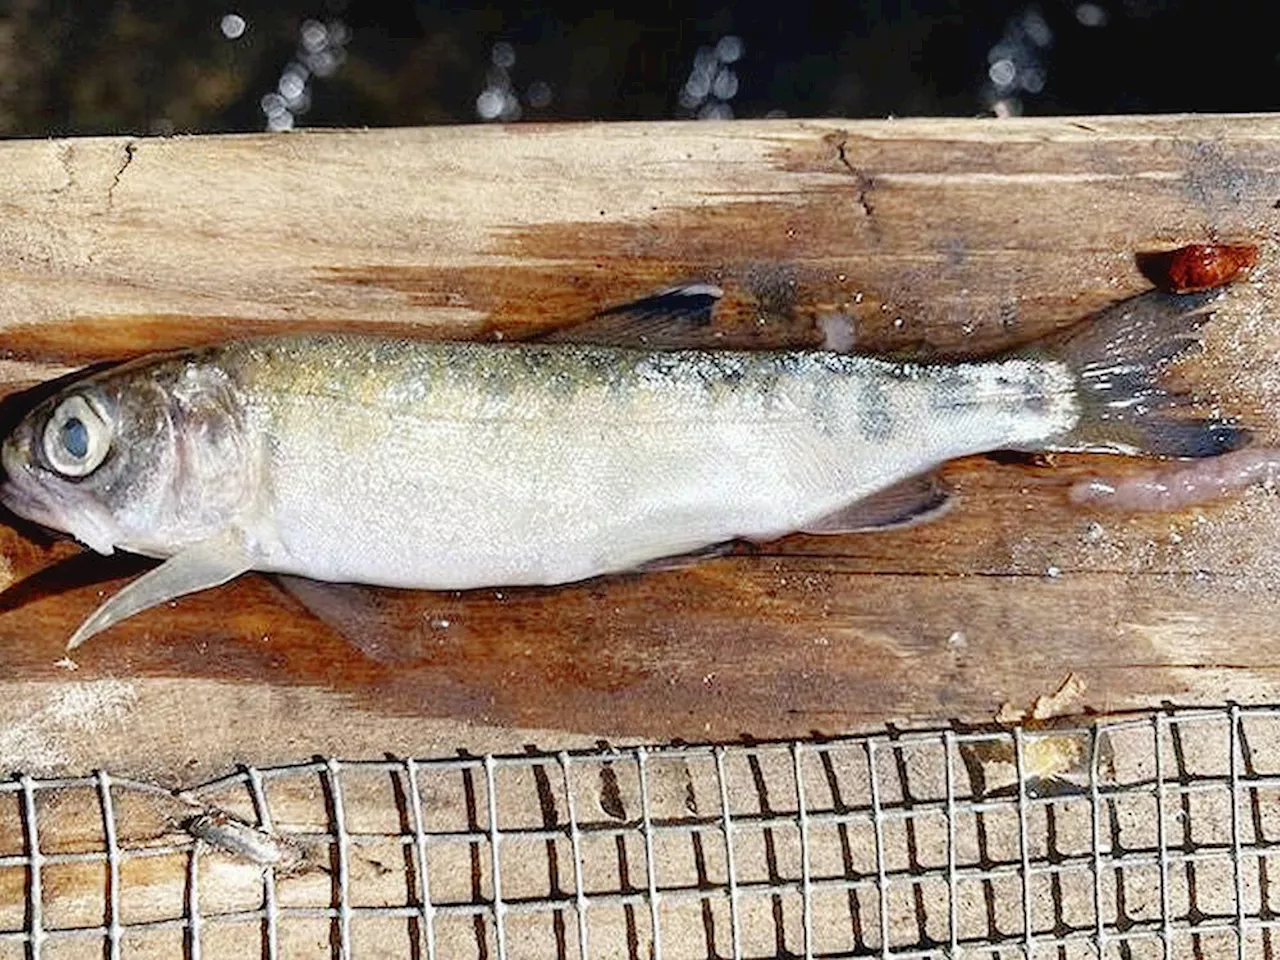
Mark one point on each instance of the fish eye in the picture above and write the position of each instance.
(76, 438)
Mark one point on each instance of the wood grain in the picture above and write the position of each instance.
(940, 238)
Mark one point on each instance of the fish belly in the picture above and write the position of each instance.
(488, 480)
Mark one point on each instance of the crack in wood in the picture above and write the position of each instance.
(65, 152)
(864, 180)
(130, 148)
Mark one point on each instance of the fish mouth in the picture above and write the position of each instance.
(20, 501)
(22, 494)
(15, 495)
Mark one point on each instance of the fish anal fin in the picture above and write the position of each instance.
(209, 563)
(908, 502)
(675, 318)
(693, 557)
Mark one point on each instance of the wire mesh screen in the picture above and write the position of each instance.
(1146, 837)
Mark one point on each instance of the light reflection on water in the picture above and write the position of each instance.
(713, 82)
(233, 26)
(120, 66)
(1091, 15)
(321, 51)
(500, 100)
(1018, 63)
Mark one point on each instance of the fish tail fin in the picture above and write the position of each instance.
(1120, 357)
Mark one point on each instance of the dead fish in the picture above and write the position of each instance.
(448, 466)
(224, 832)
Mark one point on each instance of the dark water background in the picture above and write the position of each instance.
(147, 66)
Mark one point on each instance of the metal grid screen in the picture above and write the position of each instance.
(1149, 837)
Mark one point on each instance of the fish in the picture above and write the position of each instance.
(352, 458)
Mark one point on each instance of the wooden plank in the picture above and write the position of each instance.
(939, 238)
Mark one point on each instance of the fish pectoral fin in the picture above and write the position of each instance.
(390, 627)
(917, 499)
(206, 564)
(679, 317)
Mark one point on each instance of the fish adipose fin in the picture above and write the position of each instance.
(908, 502)
(679, 317)
(209, 563)
(1119, 357)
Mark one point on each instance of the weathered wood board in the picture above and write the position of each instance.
(939, 238)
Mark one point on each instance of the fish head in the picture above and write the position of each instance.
(146, 457)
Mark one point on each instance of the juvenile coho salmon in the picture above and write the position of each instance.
(456, 465)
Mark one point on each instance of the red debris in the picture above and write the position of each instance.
(1198, 266)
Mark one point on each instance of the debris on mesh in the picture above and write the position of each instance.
(221, 831)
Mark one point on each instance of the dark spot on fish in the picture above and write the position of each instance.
(1035, 397)
(715, 372)
(732, 373)
(825, 400)
(907, 372)
(947, 389)
(1014, 394)
(561, 384)
(535, 361)
(789, 364)
(768, 380)
(874, 418)
(837, 363)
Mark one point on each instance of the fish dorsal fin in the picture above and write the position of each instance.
(908, 502)
(209, 563)
(675, 318)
